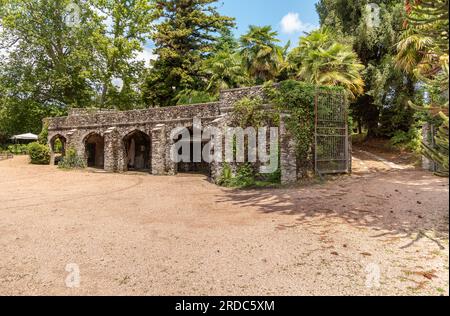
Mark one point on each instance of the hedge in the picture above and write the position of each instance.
(39, 154)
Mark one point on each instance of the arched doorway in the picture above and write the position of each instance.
(137, 152)
(57, 148)
(95, 150)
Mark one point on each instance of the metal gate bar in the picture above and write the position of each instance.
(331, 133)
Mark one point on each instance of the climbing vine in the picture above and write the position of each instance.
(298, 99)
(250, 112)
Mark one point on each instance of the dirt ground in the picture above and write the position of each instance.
(382, 231)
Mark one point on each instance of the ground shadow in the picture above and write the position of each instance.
(394, 203)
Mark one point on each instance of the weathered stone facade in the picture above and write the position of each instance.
(102, 138)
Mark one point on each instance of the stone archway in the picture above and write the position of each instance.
(94, 145)
(58, 145)
(137, 151)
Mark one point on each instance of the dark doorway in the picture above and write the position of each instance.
(95, 151)
(138, 151)
(202, 167)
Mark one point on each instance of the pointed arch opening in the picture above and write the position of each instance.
(95, 150)
(137, 152)
(57, 148)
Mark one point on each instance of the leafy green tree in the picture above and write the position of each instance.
(226, 41)
(261, 55)
(52, 64)
(118, 42)
(322, 61)
(48, 64)
(184, 37)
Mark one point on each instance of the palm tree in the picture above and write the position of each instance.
(413, 51)
(322, 61)
(225, 71)
(261, 55)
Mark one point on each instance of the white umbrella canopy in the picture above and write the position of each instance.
(27, 136)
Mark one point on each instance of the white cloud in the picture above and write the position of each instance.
(147, 56)
(291, 23)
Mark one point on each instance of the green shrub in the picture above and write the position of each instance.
(71, 160)
(410, 140)
(244, 178)
(187, 97)
(58, 146)
(39, 154)
(18, 149)
(226, 177)
(271, 178)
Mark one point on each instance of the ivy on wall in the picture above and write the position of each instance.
(250, 112)
(298, 100)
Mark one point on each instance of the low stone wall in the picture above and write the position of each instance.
(99, 119)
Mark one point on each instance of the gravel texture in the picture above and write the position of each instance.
(136, 234)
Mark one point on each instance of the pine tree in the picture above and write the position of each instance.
(184, 38)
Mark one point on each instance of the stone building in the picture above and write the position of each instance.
(141, 139)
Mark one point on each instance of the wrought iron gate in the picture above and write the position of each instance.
(332, 154)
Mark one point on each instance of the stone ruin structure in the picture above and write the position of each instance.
(104, 138)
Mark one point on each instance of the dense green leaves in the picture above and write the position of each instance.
(39, 154)
(224, 70)
(126, 25)
(423, 51)
(184, 37)
(261, 55)
(52, 65)
(321, 60)
(375, 45)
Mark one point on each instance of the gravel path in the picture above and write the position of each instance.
(379, 232)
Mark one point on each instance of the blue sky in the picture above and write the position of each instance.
(288, 17)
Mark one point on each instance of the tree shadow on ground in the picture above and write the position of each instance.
(406, 203)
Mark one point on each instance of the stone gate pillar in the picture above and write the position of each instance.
(75, 141)
(288, 159)
(159, 142)
(111, 149)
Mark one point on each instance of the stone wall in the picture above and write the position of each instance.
(229, 97)
(100, 119)
(157, 123)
